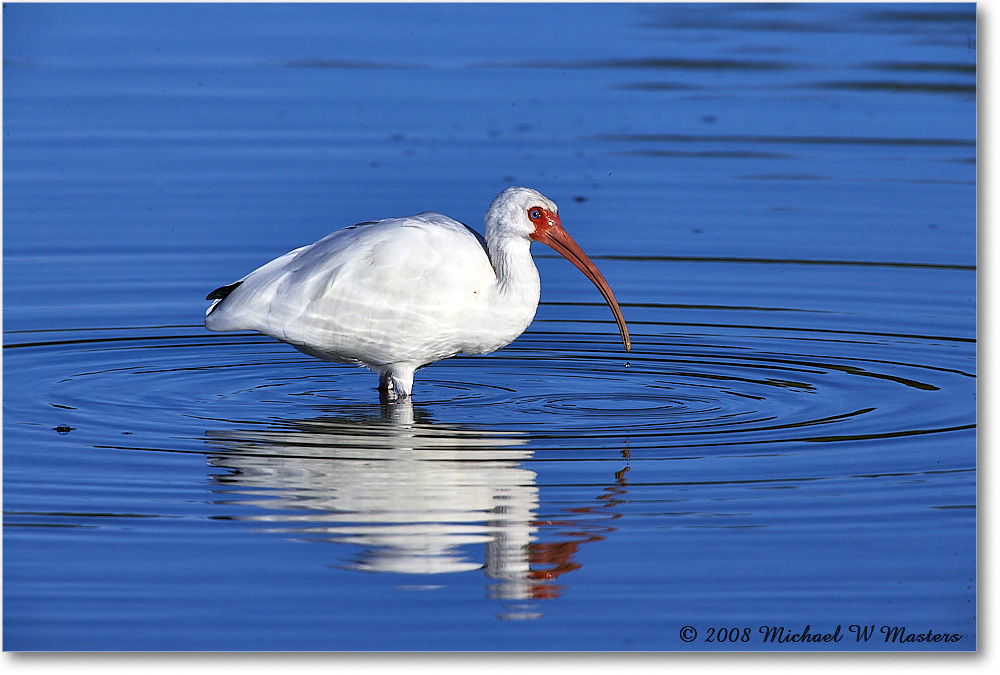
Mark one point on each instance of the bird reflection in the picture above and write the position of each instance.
(416, 496)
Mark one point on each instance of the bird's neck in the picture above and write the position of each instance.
(517, 276)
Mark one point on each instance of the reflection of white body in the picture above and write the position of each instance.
(397, 294)
(411, 494)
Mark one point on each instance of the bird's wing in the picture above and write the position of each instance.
(375, 284)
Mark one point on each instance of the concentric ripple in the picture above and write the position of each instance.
(682, 387)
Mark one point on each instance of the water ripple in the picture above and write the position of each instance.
(684, 386)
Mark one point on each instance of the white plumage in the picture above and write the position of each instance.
(396, 294)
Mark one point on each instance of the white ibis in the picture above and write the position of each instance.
(397, 294)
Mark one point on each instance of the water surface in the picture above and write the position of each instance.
(781, 196)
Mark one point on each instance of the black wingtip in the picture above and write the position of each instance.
(222, 292)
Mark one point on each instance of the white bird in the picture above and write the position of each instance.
(397, 294)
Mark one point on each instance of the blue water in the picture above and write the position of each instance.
(783, 198)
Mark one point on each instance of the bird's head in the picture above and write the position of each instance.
(519, 212)
(523, 213)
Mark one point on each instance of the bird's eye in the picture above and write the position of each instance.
(534, 214)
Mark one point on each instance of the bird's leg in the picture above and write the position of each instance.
(395, 383)
(386, 392)
(402, 380)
